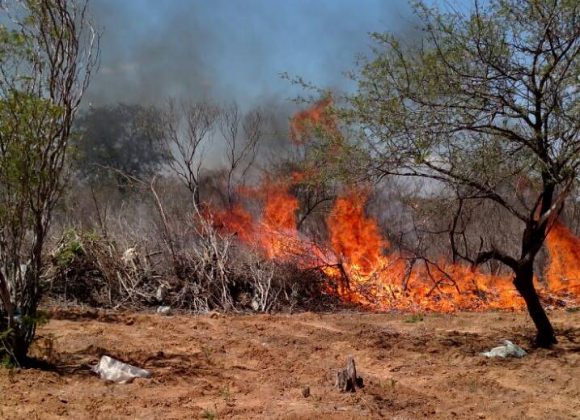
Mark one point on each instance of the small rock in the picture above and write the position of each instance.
(164, 310)
(161, 293)
(255, 305)
(306, 392)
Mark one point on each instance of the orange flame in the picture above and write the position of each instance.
(355, 239)
(317, 116)
(274, 233)
(364, 270)
(237, 221)
(393, 281)
(563, 273)
(359, 263)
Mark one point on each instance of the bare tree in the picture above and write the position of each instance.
(187, 128)
(242, 136)
(485, 99)
(49, 50)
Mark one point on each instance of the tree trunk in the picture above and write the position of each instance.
(524, 282)
(347, 379)
(20, 345)
(16, 339)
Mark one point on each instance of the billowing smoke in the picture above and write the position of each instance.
(225, 50)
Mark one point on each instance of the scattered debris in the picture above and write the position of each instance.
(509, 349)
(161, 293)
(306, 392)
(131, 258)
(346, 379)
(110, 369)
(255, 305)
(164, 310)
(214, 314)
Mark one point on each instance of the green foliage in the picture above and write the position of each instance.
(6, 360)
(38, 319)
(24, 127)
(460, 104)
(45, 68)
(71, 248)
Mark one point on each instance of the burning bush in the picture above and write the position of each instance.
(361, 267)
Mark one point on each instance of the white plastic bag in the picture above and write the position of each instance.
(509, 349)
(110, 369)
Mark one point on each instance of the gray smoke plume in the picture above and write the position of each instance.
(225, 50)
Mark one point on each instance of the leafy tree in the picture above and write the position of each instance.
(47, 52)
(487, 98)
(123, 137)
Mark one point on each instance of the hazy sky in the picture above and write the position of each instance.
(232, 49)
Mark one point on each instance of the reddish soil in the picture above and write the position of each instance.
(256, 366)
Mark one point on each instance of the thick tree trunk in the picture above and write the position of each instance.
(16, 339)
(20, 345)
(19, 316)
(524, 282)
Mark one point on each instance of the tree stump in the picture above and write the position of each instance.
(346, 379)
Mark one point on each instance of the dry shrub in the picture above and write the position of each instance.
(154, 249)
(214, 272)
(89, 269)
(219, 273)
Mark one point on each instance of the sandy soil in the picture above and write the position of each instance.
(257, 366)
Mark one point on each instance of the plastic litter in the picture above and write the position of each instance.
(508, 349)
(110, 369)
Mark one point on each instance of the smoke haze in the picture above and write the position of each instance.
(226, 50)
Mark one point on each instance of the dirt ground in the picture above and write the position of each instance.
(257, 366)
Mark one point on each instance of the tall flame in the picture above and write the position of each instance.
(355, 239)
(317, 116)
(563, 272)
(274, 231)
(358, 261)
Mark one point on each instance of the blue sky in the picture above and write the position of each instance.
(232, 49)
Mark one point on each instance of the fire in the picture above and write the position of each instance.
(355, 239)
(363, 269)
(278, 233)
(380, 278)
(563, 273)
(237, 220)
(274, 232)
(360, 264)
(316, 117)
